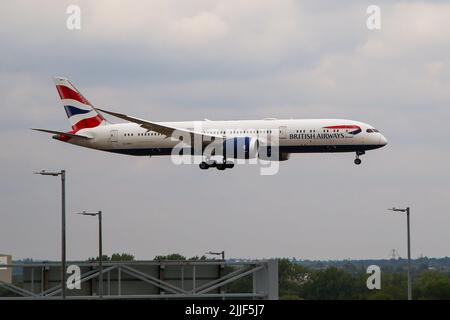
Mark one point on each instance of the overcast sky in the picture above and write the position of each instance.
(190, 60)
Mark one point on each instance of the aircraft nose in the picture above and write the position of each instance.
(383, 140)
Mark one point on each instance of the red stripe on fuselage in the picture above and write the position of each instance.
(67, 93)
(343, 127)
(87, 123)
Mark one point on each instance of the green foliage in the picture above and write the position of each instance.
(199, 258)
(291, 276)
(290, 297)
(7, 293)
(432, 285)
(349, 282)
(172, 256)
(122, 257)
(393, 287)
(244, 284)
(331, 283)
(115, 257)
(176, 256)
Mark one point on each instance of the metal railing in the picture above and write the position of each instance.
(145, 280)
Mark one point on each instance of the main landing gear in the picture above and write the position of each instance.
(358, 160)
(214, 164)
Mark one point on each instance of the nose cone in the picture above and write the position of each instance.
(383, 140)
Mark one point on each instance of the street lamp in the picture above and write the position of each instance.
(100, 250)
(222, 253)
(62, 173)
(406, 210)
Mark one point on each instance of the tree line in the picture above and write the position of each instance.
(297, 282)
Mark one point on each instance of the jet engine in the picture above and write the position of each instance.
(240, 148)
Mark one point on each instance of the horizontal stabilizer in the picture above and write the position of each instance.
(66, 134)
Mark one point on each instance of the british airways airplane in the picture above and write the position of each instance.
(242, 139)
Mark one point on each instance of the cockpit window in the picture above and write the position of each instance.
(372, 130)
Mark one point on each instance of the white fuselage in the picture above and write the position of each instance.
(295, 136)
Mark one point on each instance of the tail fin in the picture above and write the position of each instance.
(79, 110)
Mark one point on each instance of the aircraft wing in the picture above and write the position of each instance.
(166, 130)
(71, 135)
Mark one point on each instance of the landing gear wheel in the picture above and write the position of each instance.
(220, 166)
(357, 161)
(203, 165)
(211, 163)
(229, 165)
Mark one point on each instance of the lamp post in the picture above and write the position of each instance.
(62, 173)
(100, 249)
(406, 210)
(222, 253)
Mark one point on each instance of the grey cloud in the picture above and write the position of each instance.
(173, 60)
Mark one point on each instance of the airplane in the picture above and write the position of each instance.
(241, 139)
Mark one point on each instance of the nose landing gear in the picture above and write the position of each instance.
(358, 160)
(219, 165)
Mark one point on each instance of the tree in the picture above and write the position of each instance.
(331, 284)
(393, 287)
(104, 258)
(172, 256)
(122, 257)
(291, 276)
(432, 284)
(177, 256)
(115, 257)
(201, 258)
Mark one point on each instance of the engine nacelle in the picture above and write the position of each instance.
(240, 148)
(284, 156)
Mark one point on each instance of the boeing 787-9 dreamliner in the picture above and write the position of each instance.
(226, 140)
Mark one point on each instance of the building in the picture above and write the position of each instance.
(5, 273)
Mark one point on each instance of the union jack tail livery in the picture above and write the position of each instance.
(79, 110)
